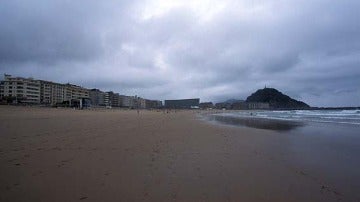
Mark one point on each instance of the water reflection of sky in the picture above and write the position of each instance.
(325, 153)
(260, 123)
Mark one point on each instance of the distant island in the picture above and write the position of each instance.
(276, 99)
(267, 98)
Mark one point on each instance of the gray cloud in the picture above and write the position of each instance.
(208, 49)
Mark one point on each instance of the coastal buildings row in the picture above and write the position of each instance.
(195, 104)
(206, 105)
(183, 104)
(32, 91)
(111, 99)
(242, 105)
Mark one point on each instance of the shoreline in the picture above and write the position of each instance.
(117, 155)
(279, 120)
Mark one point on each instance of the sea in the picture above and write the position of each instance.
(323, 143)
(288, 119)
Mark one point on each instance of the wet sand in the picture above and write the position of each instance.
(117, 155)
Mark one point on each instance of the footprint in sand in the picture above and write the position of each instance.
(323, 188)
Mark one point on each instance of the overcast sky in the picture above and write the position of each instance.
(166, 49)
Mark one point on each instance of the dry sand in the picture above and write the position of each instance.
(117, 155)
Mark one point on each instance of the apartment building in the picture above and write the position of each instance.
(31, 91)
(51, 93)
(183, 103)
(108, 97)
(54, 93)
(112, 99)
(153, 104)
(141, 103)
(73, 92)
(116, 100)
(21, 90)
(2, 89)
(258, 105)
(127, 101)
(97, 97)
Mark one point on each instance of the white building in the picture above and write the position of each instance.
(97, 97)
(21, 90)
(73, 92)
(31, 91)
(51, 93)
(127, 101)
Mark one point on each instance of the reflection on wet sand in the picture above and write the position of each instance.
(260, 123)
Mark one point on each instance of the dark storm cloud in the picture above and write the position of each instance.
(175, 49)
(48, 31)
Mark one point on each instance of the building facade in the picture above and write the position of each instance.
(73, 92)
(108, 98)
(206, 105)
(153, 104)
(51, 93)
(31, 91)
(242, 105)
(141, 103)
(97, 97)
(112, 99)
(20, 90)
(182, 104)
(258, 105)
(1, 89)
(116, 100)
(127, 101)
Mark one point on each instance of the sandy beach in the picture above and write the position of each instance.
(119, 155)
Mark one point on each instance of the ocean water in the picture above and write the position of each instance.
(286, 120)
(305, 116)
(324, 144)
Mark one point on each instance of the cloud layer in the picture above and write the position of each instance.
(177, 49)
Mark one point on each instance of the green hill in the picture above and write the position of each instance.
(276, 99)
